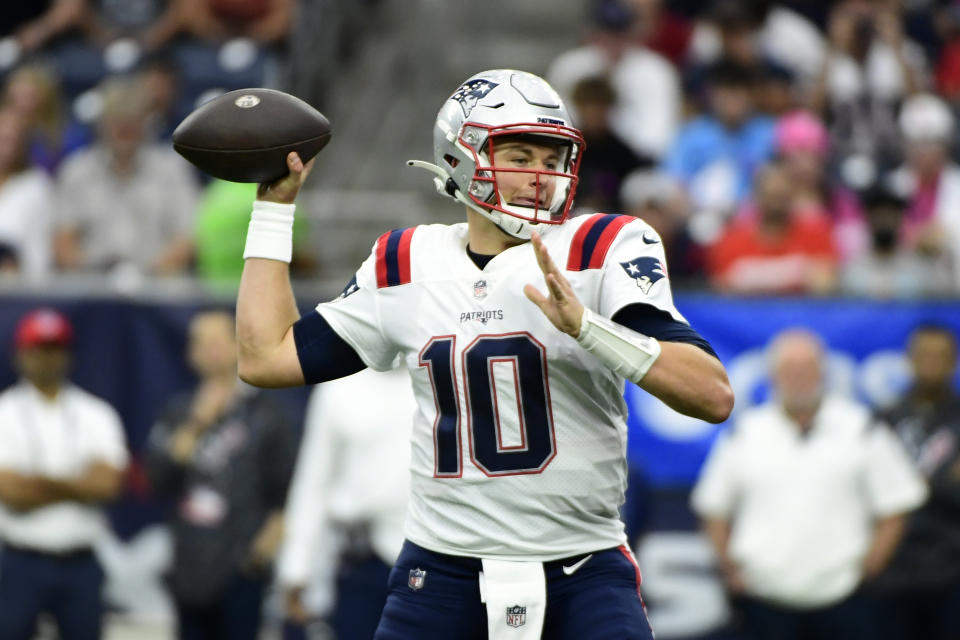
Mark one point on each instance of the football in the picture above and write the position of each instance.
(245, 135)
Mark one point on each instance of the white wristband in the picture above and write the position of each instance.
(627, 352)
(270, 234)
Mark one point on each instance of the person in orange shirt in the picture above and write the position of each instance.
(777, 251)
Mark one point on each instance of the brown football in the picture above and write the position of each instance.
(245, 135)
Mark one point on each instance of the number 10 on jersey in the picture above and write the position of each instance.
(528, 360)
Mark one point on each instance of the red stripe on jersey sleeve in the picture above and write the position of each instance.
(403, 255)
(576, 247)
(382, 260)
(606, 241)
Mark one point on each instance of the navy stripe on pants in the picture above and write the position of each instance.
(599, 601)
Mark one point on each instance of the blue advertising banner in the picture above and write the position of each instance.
(865, 342)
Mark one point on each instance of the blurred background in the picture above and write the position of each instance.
(798, 158)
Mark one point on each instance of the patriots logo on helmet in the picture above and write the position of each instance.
(646, 271)
(471, 92)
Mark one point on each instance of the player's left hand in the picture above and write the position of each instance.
(561, 306)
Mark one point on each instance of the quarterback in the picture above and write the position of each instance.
(519, 328)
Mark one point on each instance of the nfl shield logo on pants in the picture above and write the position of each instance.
(516, 616)
(416, 579)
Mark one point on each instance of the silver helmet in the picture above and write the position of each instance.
(491, 106)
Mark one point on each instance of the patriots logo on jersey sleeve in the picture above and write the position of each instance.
(351, 288)
(470, 93)
(646, 270)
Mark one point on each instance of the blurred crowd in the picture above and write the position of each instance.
(778, 147)
(91, 93)
(790, 147)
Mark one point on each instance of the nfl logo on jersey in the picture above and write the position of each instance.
(516, 616)
(416, 579)
(480, 289)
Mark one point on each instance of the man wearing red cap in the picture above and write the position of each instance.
(63, 455)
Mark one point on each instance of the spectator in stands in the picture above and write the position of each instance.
(660, 29)
(920, 589)
(150, 23)
(890, 269)
(930, 180)
(63, 456)
(36, 23)
(660, 202)
(344, 525)
(757, 34)
(948, 63)
(223, 454)
(603, 167)
(647, 111)
(803, 499)
(728, 30)
(229, 44)
(266, 21)
(125, 203)
(33, 93)
(715, 155)
(776, 94)
(870, 67)
(802, 146)
(220, 232)
(777, 251)
(160, 78)
(26, 197)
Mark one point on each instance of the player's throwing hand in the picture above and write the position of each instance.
(562, 307)
(286, 188)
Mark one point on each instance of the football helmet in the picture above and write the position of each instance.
(487, 109)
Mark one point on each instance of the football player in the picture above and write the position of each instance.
(519, 327)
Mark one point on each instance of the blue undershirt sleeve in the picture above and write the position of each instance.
(323, 354)
(650, 321)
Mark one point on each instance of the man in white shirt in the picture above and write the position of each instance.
(63, 455)
(647, 112)
(343, 524)
(803, 500)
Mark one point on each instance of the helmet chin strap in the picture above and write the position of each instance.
(511, 226)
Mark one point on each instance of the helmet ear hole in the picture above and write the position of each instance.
(450, 160)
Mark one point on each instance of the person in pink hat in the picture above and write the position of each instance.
(63, 456)
(803, 144)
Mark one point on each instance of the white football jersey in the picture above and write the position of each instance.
(519, 440)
